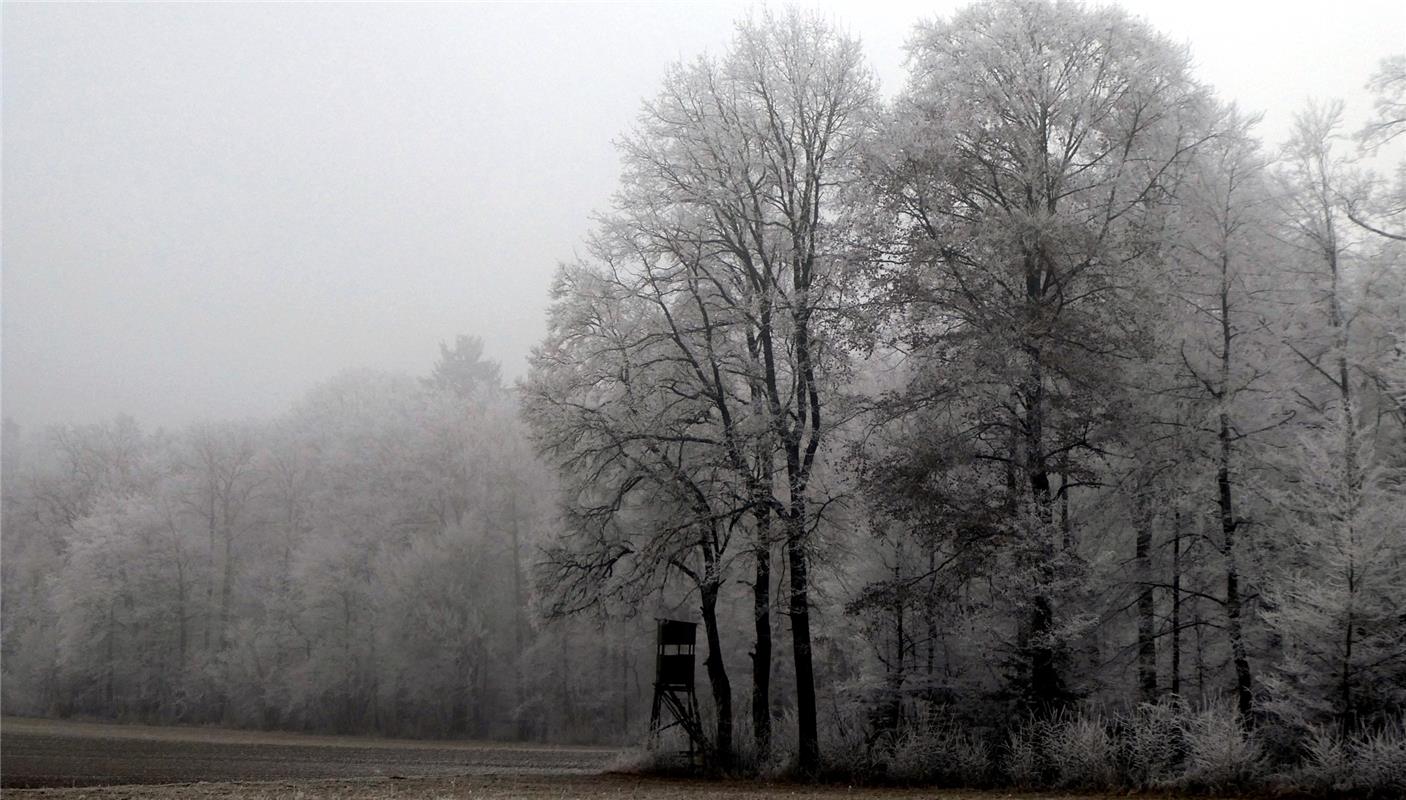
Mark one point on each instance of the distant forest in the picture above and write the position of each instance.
(1042, 388)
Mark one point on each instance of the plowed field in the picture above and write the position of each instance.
(36, 753)
(71, 760)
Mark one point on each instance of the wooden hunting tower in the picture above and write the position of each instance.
(675, 645)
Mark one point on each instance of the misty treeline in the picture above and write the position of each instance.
(1042, 386)
(1036, 406)
(359, 564)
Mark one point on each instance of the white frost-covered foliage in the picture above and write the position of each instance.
(1161, 747)
(1339, 606)
(360, 564)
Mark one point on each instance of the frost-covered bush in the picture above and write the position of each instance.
(844, 746)
(1220, 754)
(1158, 746)
(939, 752)
(1151, 744)
(844, 751)
(1080, 751)
(1379, 761)
(1023, 759)
(1326, 765)
(1369, 764)
(747, 759)
(969, 757)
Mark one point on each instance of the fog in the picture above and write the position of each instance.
(208, 209)
(1021, 407)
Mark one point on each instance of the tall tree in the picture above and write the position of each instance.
(219, 470)
(1333, 609)
(643, 492)
(1220, 356)
(463, 371)
(723, 229)
(1028, 163)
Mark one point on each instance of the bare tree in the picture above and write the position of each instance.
(644, 496)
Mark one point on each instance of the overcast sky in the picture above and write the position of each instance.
(207, 209)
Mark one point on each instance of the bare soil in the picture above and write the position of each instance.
(40, 753)
(511, 787)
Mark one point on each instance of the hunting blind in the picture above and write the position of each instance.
(675, 646)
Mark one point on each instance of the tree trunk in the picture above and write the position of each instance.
(109, 690)
(808, 740)
(717, 675)
(1341, 342)
(1244, 698)
(182, 641)
(1198, 625)
(226, 591)
(896, 673)
(211, 529)
(1176, 605)
(1065, 529)
(568, 696)
(624, 653)
(1046, 686)
(807, 400)
(930, 612)
(761, 654)
(1345, 681)
(1147, 643)
(519, 603)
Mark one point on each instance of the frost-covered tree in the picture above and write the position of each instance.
(1028, 164)
(1220, 355)
(347, 567)
(645, 492)
(1334, 604)
(722, 247)
(1338, 608)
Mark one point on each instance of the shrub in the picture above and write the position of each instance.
(1023, 761)
(1220, 754)
(935, 751)
(1379, 761)
(1327, 764)
(1151, 744)
(1370, 764)
(748, 761)
(1080, 751)
(845, 751)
